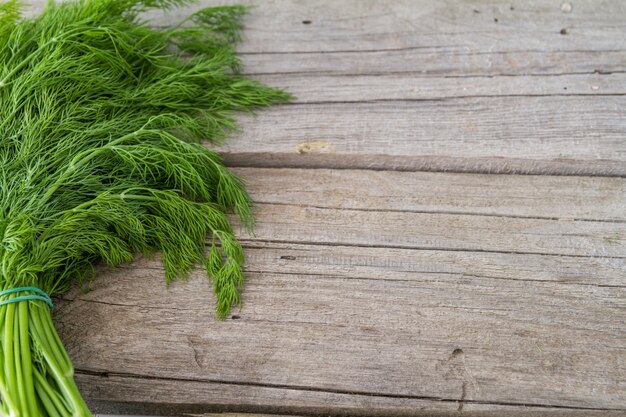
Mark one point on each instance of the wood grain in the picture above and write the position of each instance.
(353, 324)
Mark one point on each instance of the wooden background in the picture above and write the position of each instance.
(441, 225)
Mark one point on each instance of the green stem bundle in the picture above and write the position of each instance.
(101, 119)
(37, 375)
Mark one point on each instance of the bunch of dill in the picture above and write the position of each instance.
(101, 117)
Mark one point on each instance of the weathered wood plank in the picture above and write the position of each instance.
(449, 232)
(310, 88)
(356, 25)
(312, 218)
(367, 219)
(563, 198)
(219, 397)
(396, 264)
(440, 62)
(402, 264)
(496, 134)
(333, 327)
(472, 338)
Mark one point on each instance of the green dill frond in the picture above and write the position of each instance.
(101, 123)
(100, 157)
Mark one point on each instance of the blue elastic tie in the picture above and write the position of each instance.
(41, 296)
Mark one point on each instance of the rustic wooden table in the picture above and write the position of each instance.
(401, 265)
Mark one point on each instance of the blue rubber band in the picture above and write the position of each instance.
(41, 296)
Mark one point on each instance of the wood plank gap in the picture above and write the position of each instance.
(431, 75)
(440, 99)
(415, 48)
(429, 163)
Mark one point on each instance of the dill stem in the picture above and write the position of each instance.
(9, 359)
(53, 339)
(124, 196)
(3, 309)
(19, 374)
(61, 372)
(40, 334)
(69, 366)
(5, 384)
(27, 364)
(52, 404)
(47, 404)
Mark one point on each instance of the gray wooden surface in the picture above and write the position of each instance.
(400, 264)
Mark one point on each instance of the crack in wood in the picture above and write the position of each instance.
(444, 212)
(196, 355)
(358, 278)
(102, 374)
(451, 98)
(442, 249)
(413, 48)
(463, 395)
(432, 75)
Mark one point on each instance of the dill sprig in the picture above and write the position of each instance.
(101, 121)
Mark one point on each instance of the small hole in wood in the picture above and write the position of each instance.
(235, 317)
(306, 22)
(288, 257)
(563, 31)
(495, 19)
(457, 352)
(512, 8)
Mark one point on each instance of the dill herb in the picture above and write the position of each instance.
(100, 159)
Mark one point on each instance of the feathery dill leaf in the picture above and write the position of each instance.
(100, 159)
